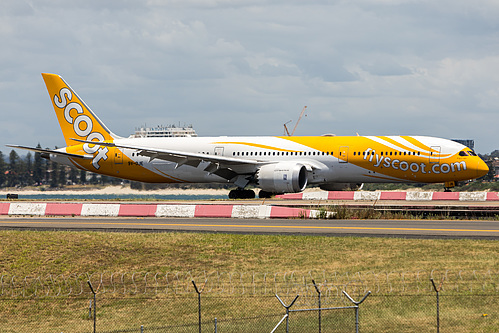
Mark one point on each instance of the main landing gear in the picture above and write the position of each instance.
(266, 195)
(241, 194)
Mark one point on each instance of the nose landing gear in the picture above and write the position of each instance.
(449, 185)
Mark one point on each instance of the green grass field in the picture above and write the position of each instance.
(36, 253)
(32, 253)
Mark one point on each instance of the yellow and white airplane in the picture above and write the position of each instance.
(273, 164)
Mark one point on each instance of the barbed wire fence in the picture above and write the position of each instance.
(168, 300)
(248, 283)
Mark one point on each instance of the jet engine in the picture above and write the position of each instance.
(282, 177)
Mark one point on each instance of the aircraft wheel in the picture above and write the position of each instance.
(265, 195)
(241, 194)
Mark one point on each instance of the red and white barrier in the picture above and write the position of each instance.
(153, 210)
(408, 196)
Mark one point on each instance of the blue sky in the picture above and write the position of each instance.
(227, 67)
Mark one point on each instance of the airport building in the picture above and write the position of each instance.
(161, 131)
(467, 142)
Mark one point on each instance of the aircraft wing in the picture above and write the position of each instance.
(47, 152)
(219, 165)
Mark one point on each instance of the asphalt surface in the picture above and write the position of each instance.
(478, 229)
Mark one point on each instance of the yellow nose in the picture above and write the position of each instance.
(482, 169)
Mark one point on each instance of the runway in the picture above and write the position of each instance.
(310, 227)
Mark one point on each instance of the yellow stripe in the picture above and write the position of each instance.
(417, 143)
(393, 142)
(252, 226)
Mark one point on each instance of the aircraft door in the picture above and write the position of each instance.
(118, 156)
(343, 154)
(219, 151)
(434, 154)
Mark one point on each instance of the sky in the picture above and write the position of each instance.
(246, 67)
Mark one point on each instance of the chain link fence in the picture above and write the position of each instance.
(247, 302)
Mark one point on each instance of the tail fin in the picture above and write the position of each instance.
(74, 116)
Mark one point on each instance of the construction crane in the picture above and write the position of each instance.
(297, 122)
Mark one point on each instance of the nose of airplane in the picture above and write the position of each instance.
(482, 169)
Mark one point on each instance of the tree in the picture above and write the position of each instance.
(38, 168)
(93, 179)
(53, 174)
(3, 169)
(61, 175)
(83, 177)
(27, 172)
(73, 175)
(14, 169)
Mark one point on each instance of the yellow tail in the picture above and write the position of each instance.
(76, 119)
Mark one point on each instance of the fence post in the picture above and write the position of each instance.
(287, 310)
(318, 292)
(437, 290)
(95, 304)
(356, 308)
(199, 301)
(90, 310)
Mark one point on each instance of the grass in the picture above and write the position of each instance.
(37, 253)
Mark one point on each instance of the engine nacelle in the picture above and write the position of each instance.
(283, 177)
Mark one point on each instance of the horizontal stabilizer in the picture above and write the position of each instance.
(47, 152)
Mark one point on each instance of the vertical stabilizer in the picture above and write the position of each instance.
(74, 116)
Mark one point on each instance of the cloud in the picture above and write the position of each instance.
(246, 67)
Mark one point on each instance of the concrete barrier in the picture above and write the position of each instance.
(473, 196)
(139, 210)
(100, 210)
(385, 195)
(175, 210)
(27, 208)
(153, 210)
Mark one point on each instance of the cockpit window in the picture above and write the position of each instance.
(467, 153)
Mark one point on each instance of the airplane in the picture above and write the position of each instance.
(274, 164)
